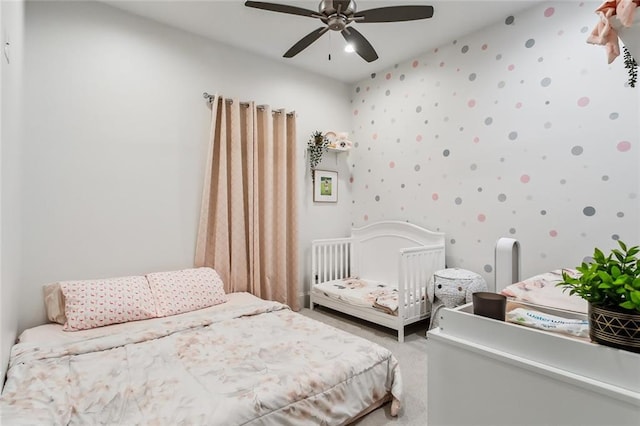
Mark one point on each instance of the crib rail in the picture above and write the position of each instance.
(417, 265)
(331, 259)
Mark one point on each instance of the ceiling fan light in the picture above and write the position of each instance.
(349, 48)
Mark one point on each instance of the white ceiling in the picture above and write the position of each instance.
(271, 34)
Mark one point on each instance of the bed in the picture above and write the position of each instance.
(245, 361)
(509, 374)
(380, 273)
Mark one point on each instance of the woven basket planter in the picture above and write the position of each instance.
(615, 328)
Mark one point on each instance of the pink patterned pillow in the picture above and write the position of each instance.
(94, 303)
(176, 292)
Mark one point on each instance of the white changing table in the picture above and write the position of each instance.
(488, 372)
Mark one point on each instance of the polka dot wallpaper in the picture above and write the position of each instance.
(520, 130)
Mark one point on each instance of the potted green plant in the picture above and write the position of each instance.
(318, 144)
(611, 286)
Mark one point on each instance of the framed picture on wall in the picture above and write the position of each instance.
(325, 186)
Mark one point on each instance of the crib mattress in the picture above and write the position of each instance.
(361, 292)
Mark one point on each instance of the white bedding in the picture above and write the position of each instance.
(361, 292)
(247, 361)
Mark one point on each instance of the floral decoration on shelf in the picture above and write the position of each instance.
(606, 35)
(318, 144)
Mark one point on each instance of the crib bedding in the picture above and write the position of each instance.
(254, 362)
(361, 292)
(542, 290)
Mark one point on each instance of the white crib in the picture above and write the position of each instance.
(396, 253)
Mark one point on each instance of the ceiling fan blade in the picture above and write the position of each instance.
(305, 42)
(282, 8)
(394, 14)
(360, 44)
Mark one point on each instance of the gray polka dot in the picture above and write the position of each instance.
(479, 189)
(358, 89)
(589, 211)
(472, 76)
(513, 136)
(540, 59)
(530, 43)
(633, 196)
(577, 150)
(510, 19)
(587, 259)
(426, 121)
(498, 56)
(398, 140)
(473, 167)
(373, 75)
(563, 181)
(547, 125)
(402, 185)
(417, 167)
(512, 231)
(401, 77)
(543, 212)
(502, 198)
(418, 109)
(488, 268)
(615, 237)
(377, 198)
(488, 121)
(453, 241)
(501, 85)
(584, 29)
(613, 116)
(458, 201)
(446, 153)
(545, 82)
(387, 93)
(605, 178)
(543, 255)
(464, 49)
(502, 159)
(620, 214)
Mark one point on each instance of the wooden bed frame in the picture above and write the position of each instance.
(508, 374)
(397, 253)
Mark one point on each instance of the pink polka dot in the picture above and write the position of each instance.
(392, 164)
(471, 103)
(351, 179)
(419, 138)
(476, 139)
(481, 217)
(388, 76)
(553, 233)
(402, 208)
(374, 136)
(583, 101)
(435, 50)
(435, 196)
(549, 12)
(441, 64)
(415, 64)
(366, 187)
(484, 46)
(624, 146)
(519, 105)
(366, 217)
(561, 32)
(367, 89)
(355, 112)
(457, 69)
(525, 178)
(511, 67)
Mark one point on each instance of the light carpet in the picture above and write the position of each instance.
(411, 355)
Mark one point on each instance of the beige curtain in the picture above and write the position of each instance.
(248, 226)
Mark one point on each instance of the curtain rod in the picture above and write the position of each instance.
(209, 99)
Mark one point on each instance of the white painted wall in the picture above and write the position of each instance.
(11, 30)
(115, 139)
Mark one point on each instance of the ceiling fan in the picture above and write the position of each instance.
(338, 15)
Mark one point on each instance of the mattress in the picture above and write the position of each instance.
(361, 292)
(247, 361)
